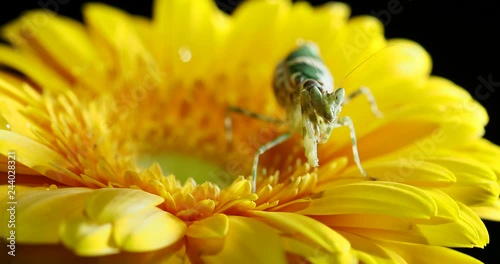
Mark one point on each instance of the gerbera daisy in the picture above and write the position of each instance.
(116, 127)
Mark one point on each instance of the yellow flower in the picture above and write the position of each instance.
(106, 119)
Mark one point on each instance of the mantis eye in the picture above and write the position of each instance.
(339, 95)
(316, 95)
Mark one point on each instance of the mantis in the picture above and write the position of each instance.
(303, 86)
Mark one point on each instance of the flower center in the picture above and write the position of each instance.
(180, 125)
(185, 166)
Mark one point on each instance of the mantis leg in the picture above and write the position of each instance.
(263, 148)
(346, 121)
(261, 151)
(229, 123)
(369, 96)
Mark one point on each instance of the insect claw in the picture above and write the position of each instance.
(377, 113)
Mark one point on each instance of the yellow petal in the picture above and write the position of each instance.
(107, 205)
(147, 230)
(37, 207)
(370, 252)
(184, 52)
(311, 253)
(11, 94)
(426, 174)
(411, 124)
(414, 253)
(476, 184)
(491, 212)
(38, 157)
(447, 208)
(362, 37)
(333, 16)
(451, 117)
(175, 254)
(367, 221)
(405, 130)
(34, 69)
(438, 89)
(87, 238)
(111, 28)
(298, 247)
(485, 152)
(332, 244)
(25, 174)
(434, 89)
(4, 124)
(447, 211)
(215, 226)
(207, 236)
(467, 231)
(385, 198)
(244, 246)
(72, 55)
(399, 63)
(390, 235)
(262, 31)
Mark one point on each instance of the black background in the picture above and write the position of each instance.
(459, 35)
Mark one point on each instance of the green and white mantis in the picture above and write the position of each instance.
(303, 86)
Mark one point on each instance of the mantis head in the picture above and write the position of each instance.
(326, 105)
